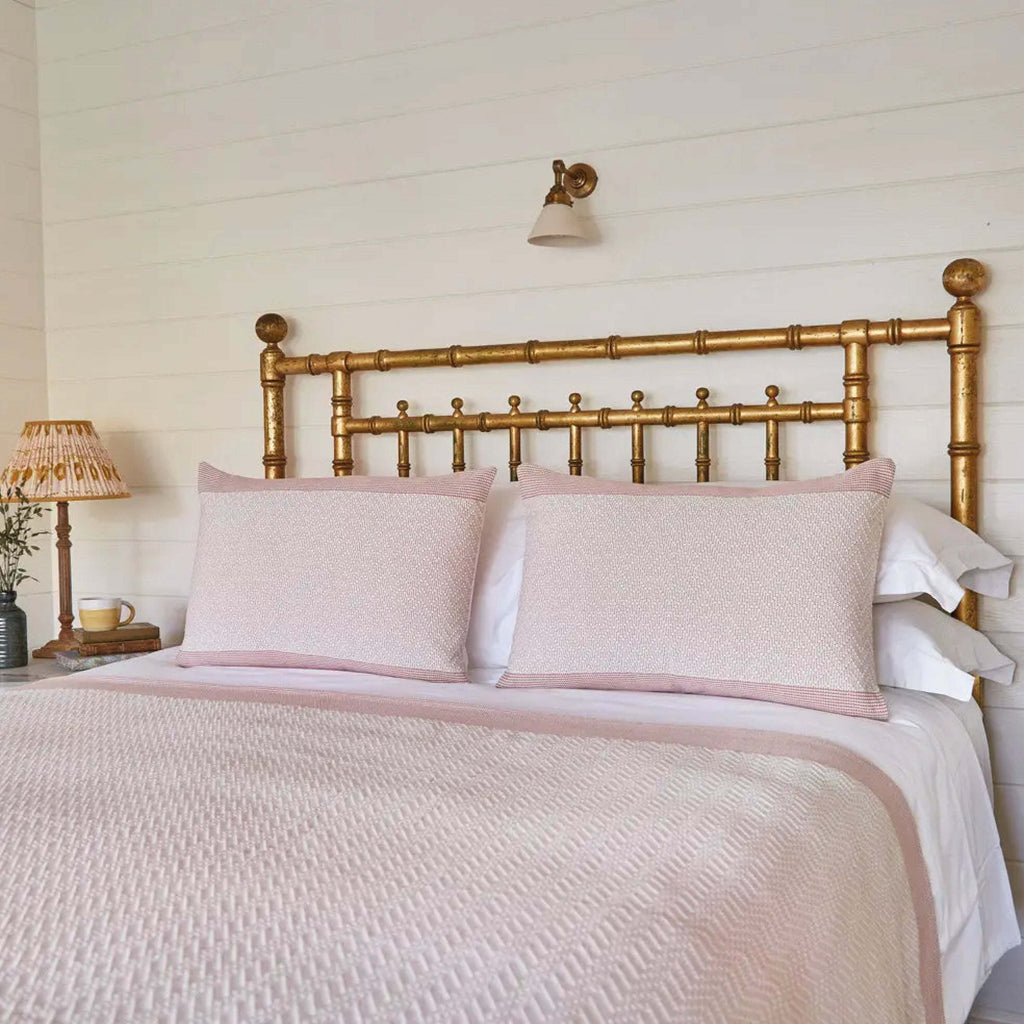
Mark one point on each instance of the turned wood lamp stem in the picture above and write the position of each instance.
(65, 638)
(66, 616)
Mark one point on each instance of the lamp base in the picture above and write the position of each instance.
(51, 649)
(65, 640)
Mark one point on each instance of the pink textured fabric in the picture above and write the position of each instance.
(875, 476)
(487, 864)
(762, 593)
(475, 485)
(363, 574)
(281, 659)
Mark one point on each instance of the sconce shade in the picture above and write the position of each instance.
(558, 224)
(62, 460)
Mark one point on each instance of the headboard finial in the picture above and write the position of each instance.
(271, 328)
(964, 277)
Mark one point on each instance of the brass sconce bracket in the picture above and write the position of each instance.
(574, 182)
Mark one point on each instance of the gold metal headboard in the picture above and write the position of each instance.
(960, 329)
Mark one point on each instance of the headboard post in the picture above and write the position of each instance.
(853, 336)
(963, 279)
(272, 329)
(341, 406)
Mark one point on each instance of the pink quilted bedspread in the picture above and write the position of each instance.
(293, 856)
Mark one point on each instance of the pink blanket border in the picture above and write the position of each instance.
(286, 659)
(841, 702)
(752, 741)
(473, 484)
(875, 476)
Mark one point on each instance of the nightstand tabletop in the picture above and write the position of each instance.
(37, 668)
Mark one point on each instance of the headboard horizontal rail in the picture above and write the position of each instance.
(545, 419)
(796, 336)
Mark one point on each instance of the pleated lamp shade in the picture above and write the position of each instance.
(62, 460)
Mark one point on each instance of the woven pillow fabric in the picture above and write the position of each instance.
(697, 588)
(364, 574)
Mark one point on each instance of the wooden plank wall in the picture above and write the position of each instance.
(22, 343)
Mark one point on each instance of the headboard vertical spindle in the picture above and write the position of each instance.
(638, 462)
(403, 440)
(575, 440)
(771, 437)
(853, 336)
(703, 460)
(515, 451)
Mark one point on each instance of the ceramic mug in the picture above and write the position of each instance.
(98, 613)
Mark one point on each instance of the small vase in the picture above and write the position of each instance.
(13, 632)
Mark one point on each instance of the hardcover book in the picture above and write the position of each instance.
(120, 647)
(134, 631)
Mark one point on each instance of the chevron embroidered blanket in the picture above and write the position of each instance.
(177, 856)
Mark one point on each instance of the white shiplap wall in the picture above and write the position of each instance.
(22, 343)
(372, 175)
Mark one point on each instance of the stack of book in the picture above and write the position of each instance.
(104, 647)
(135, 638)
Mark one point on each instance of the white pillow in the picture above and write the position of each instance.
(499, 576)
(918, 647)
(923, 552)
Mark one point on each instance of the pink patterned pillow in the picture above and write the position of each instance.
(697, 588)
(366, 574)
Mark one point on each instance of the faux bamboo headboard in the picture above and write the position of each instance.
(960, 329)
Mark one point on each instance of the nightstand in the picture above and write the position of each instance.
(37, 668)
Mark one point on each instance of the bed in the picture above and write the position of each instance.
(217, 842)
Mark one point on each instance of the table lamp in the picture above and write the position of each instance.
(62, 461)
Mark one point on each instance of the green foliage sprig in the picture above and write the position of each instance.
(18, 519)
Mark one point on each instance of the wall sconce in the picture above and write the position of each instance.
(558, 223)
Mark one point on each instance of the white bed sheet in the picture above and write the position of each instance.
(933, 747)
